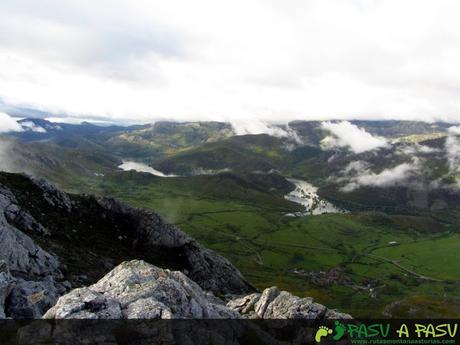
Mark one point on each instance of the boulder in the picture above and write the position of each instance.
(136, 289)
(31, 299)
(275, 304)
(244, 305)
(267, 297)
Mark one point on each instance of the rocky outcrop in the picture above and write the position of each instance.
(31, 299)
(211, 271)
(275, 304)
(23, 256)
(29, 276)
(54, 196)
(138, 290)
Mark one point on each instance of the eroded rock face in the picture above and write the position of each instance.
(211, 271)
(138, 290)
(29, 276)
(54, 196)
(275, 304)
(23, 256)
(31, 299)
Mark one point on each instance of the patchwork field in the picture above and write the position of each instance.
(367, 264)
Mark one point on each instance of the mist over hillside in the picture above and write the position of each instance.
(318, 208)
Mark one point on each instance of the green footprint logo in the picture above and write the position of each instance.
(339, 330)
(322, 331)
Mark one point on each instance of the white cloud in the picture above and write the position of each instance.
(346, 134)
(259, 127)
(8, 124)
(452, 148)
(256, 127)
(232, 60)
(455, 130)
(30, 126)
(364, 177)
(78, 120)
(356, 167)
(416, 149)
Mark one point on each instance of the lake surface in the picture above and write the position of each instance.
(141, 167)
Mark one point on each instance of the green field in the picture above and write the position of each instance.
(248, 225)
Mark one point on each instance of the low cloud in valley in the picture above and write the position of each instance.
(260, 127)
(346, 134)
(359, 174)
(452, 148)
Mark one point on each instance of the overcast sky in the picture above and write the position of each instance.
(226, 60)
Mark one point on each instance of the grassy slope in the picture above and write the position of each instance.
(240, 220)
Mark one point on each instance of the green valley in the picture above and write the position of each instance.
(344, 260)
(394, 249)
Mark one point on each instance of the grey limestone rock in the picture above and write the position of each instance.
(6, 281)
(287, 306)
(275, 304)
(84, 303)
(17, 249)
(246, 304)
(23, 256)
(268, 295)
(54, 196)
(31, 299)
(136, 289)
(28, 274)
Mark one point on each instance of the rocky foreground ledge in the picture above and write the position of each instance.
(138, 290)
(54, 246)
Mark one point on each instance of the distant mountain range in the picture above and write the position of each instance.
(394, 187)
(347, 166)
